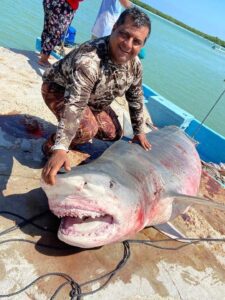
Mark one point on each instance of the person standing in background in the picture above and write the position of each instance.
(108, 14)
(58, 15)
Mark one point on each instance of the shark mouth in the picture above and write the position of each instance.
(77, 222)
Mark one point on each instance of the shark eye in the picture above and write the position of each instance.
(111, 183)
(85, 182)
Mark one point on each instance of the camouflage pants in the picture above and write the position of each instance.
(102, 125)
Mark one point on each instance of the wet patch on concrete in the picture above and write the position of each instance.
(25, 126)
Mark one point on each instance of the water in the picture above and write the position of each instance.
(179, 65)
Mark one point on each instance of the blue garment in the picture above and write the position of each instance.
(108, 14)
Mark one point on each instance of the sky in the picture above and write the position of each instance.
(207, 16)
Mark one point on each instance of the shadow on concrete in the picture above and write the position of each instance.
(32, 59)
(21, 138)
(30, 214)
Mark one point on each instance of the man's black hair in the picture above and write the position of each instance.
(138, 17)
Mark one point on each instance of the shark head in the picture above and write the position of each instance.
(95, 208)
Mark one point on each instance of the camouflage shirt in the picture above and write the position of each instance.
(91, 78)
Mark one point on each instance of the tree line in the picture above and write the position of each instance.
(213, 39)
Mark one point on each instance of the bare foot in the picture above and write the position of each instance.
(43, 61)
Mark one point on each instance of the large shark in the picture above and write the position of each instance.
(126, 189)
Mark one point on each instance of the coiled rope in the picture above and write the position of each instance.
(76, 288)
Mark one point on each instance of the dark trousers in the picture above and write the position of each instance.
(102, 125)
(58, 15)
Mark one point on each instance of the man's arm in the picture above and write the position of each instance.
(57, 160)
(142, 140)
(134, 97)
(77, 93)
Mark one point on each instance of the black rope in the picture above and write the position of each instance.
(70, 281)
(189, 241)
(120, 265)
(67, 247)
(25, 221)
(209, 112)
(76, 288)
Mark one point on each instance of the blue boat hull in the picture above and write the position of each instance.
(211, 145)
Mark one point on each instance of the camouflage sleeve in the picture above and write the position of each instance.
(134, 97)
(77, 93)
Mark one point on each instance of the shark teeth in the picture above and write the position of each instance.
(87, 227)
(77, 213)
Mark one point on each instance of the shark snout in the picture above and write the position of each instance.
(92, 214)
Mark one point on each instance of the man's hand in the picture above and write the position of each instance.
(57, 160)
(142, 140)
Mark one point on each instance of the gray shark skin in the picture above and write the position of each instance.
(126, 189)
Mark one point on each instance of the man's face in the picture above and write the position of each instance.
(126, 41)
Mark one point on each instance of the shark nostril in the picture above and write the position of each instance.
(111, 183)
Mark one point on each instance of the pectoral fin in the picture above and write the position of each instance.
(171, 231)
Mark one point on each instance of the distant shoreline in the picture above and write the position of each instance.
(211, 38)
(175, 24)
